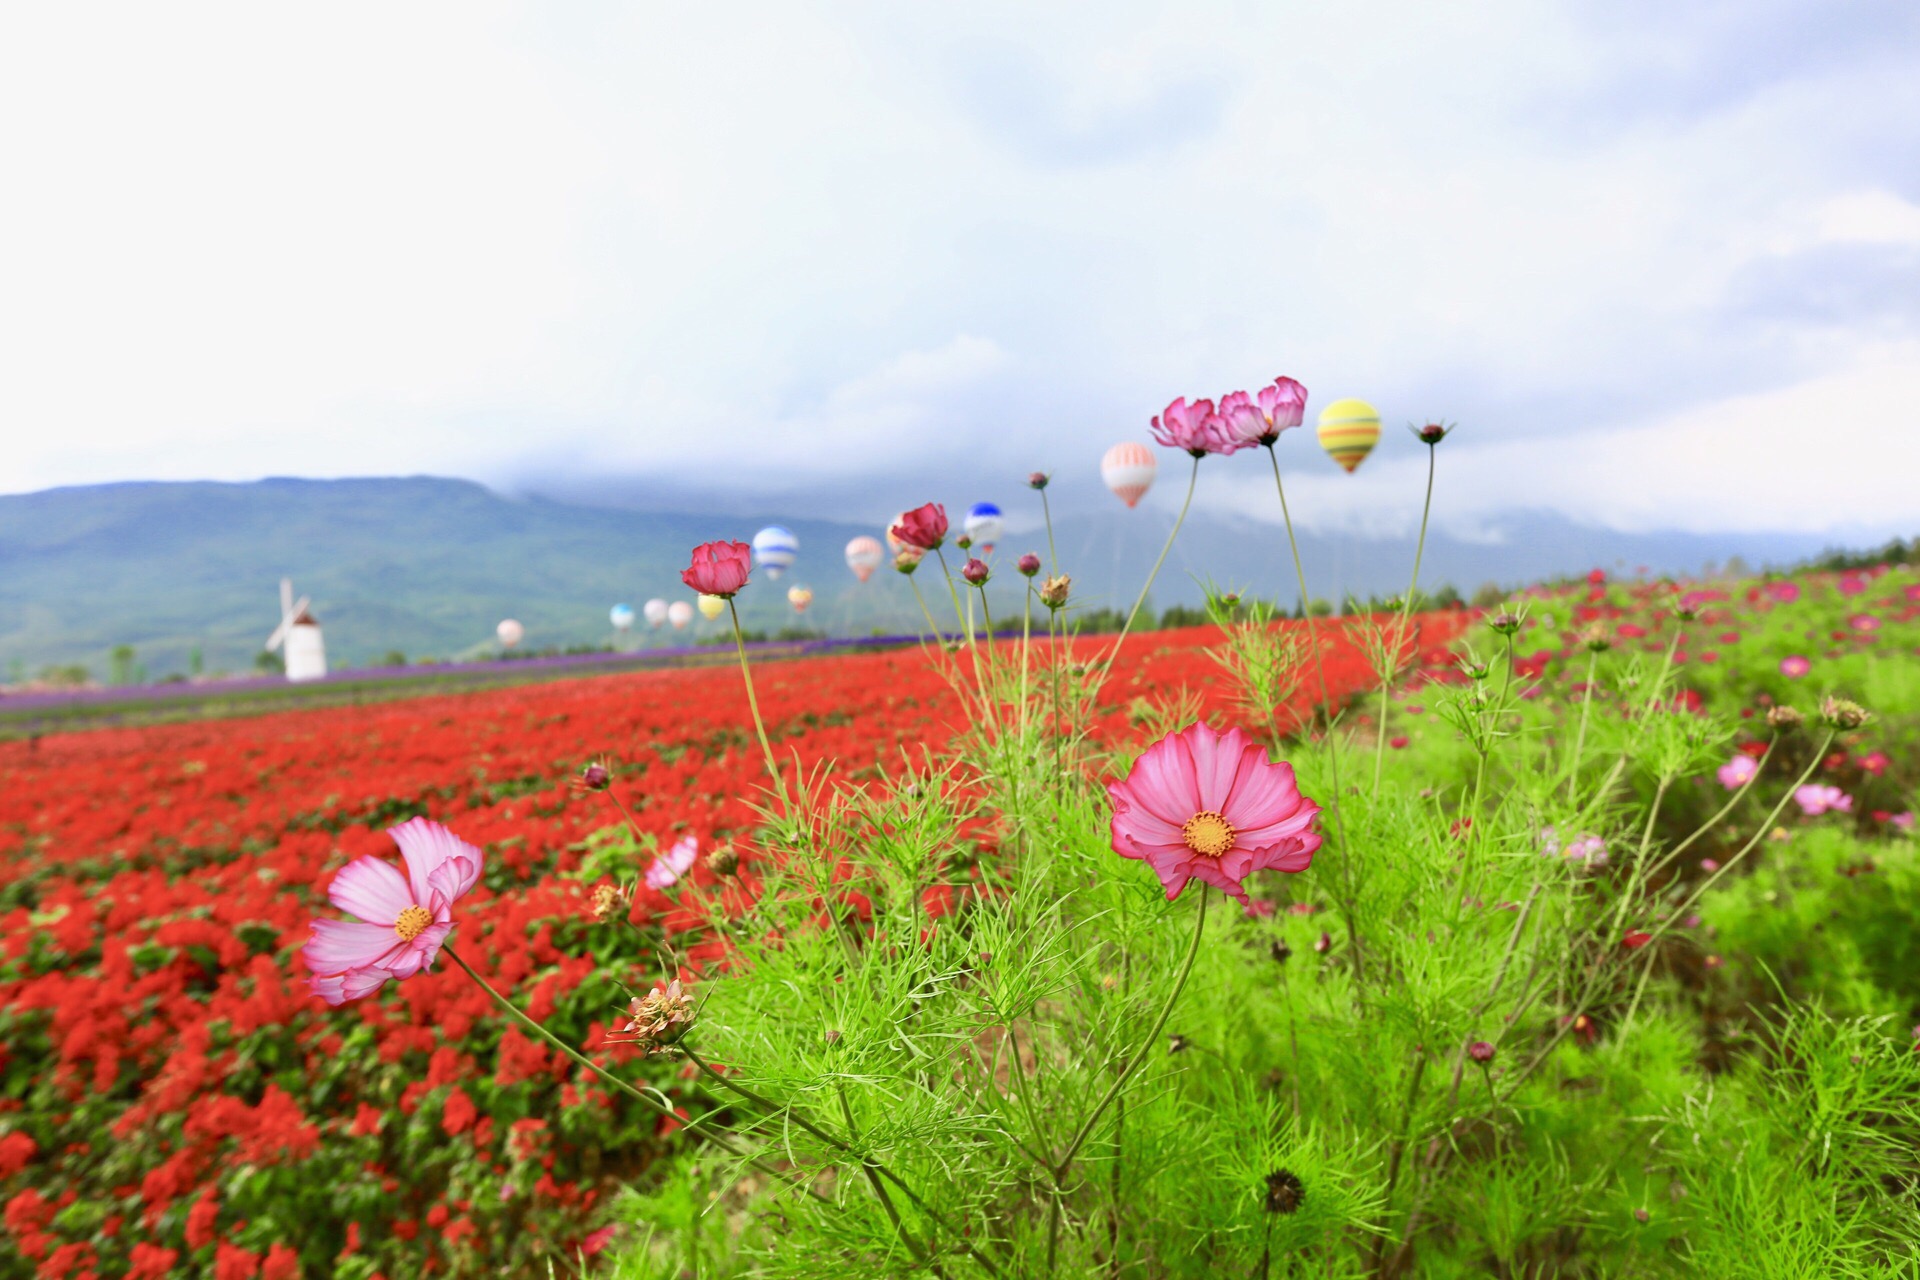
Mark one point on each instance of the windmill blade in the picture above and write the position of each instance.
(294, 610)
(286, 598)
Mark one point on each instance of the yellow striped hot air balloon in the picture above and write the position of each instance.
(1348, 431)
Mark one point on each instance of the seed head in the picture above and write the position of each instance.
(660, 1017)
(607, 899)
(1054, 591)
(1843, 714)
(1285, 1191)
(1783, 718)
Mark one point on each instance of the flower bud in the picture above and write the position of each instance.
(1480, 1051)
(1285, 1191)
(1038, 480)
(1505, 623)
(976, 572)
(1432, 433)
(1596, 640)
(1323, 943)
(907, 560)
(1781, 719)
(596, 777)
(1054, 591)
(723, 861)
(1028, 565)
(964, 541)
(1844, 714)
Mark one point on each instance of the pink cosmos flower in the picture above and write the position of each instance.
(1815, 800)
(1200, 805)
(1196, 428)
(924, 527)
(1903, 820)
(1284, 403)
(1875, 762)
(403, 919)
(1794, 667)
(1736, 773)
(665, 871)
(719, 568)
(1784, 592)
(1243, 419)
(1864, 622)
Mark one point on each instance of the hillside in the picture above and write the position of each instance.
(426, 566)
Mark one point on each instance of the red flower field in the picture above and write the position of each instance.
(174, 1097)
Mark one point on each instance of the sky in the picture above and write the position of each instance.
(1660, 263)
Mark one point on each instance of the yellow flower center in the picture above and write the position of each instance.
(1208, 834)
(413, 920)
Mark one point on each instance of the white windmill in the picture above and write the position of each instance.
(305, 656)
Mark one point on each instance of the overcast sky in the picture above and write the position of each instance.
(1661, 262)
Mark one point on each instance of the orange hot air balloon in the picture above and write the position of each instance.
(1128, 470)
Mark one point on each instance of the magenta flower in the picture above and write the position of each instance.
(1795, 667)
(1784, 592)
(665, 871)
(403, 919)
(1196, 428)
(719, 568)
(1244, 421)
(1864, 622)
(1737, 772)
(1199, 805)
(924, 527)
(1815, 800)
(975, 571)
(1284, 405)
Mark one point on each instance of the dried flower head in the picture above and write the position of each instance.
(660, 1017)
(1596, 639)
(723, 861)
(1844, 714)
(1054, 591)
(1285, 1191)
(607, 901)
(1781, 719)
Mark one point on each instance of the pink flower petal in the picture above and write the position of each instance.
(425, 845)
(340, 945)
(372, 889)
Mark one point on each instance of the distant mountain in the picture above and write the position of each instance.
(427, 566)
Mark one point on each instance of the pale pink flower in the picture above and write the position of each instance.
(403, 919)
(1815, 799)
(1795, 666)
(719, 568)
(1196, 428)
(665, 871)
(1737, 772)
(1200, 805)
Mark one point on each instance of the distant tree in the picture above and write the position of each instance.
(1489, 594)
(1181, 615)
(120, 665)
(267, 662)
(196, 665)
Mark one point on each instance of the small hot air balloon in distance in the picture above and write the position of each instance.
(655, 612)
(1128, 470)
(864, 555)
(799, 598)
(712, 607)
(679, 613)
(774, 549)
(1348, 431)
(984, 525)
(510, 633)
(894, 544)
(621, 616)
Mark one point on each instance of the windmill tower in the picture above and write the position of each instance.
(305, 654)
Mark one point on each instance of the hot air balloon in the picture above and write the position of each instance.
(894, 544)
(1348, 431)
(655, 611)
(984, 525)
(774, 549)
(621, 615)
(864, 555)
(1128, 470)
(679, 613)
(712, 607)
(799, 598)
(510, 633)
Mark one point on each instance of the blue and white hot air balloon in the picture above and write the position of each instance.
(621, 615)
(984, 525)
(774, 549)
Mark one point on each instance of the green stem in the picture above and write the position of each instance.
(1400, 632)
(873, 1180)
(1192, 479)
(1580, 738)
(1152, 1038)
(1053, 556)
(753, 703)
(933, 628)
(698, 1125)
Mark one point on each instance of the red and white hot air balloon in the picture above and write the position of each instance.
(864, 555)
(1128, 470)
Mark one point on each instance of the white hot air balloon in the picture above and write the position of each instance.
(621, 616)
(984, 525)
(1128, 470)
(712, 607)
(655, 612)
(679, 613)
(864, 555)
(774, 549)
(510, 633)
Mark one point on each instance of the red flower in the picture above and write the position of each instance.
(719, 568)
(1636, 939)
(924, 527)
